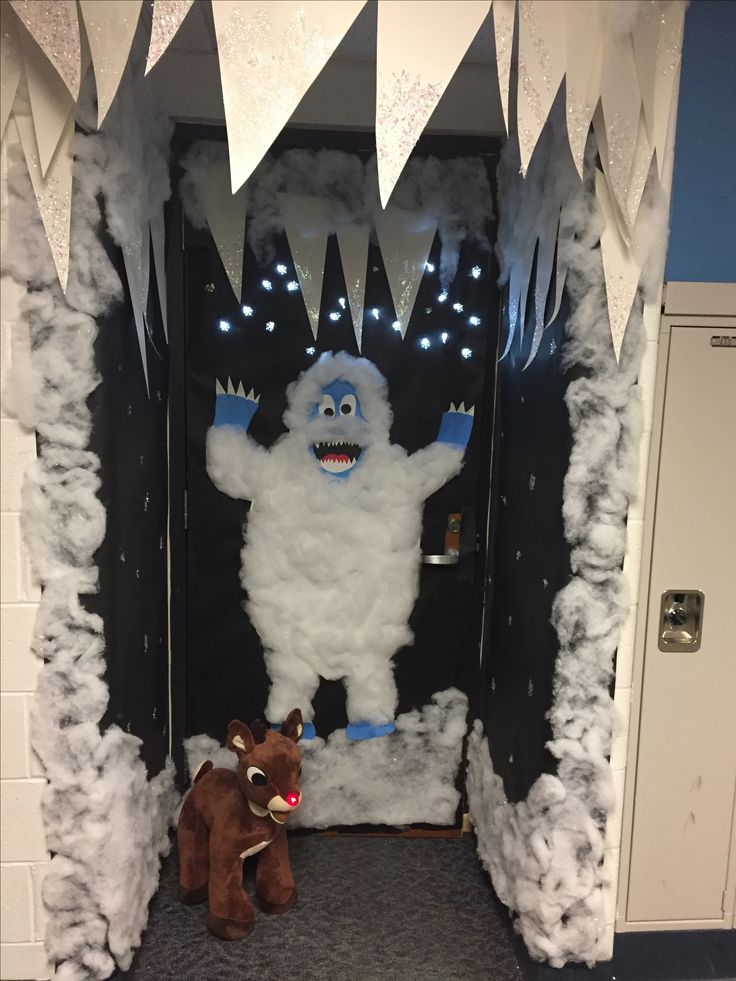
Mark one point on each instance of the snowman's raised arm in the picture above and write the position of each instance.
(235, 462)
(437, 463)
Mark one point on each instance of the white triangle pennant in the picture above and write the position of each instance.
(270, 53)
(110, 27)
(137, 275)
(405, 242)
(54, 26)
(669, 52)
(620, 270)
(620, 103)
(542, 59)
(411, 78)
(158, 238)
(168, 16)
(504, 12)
(543, 278)
(583, 73)
(225, 214)
(353, 242)
(306, 224)
(645, 38)
(639, 172)
(10, 63)
(53, 191)
(51, 101)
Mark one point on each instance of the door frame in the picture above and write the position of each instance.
(185, 134)
(706, 306)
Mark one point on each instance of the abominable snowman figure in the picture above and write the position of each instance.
(332, 554)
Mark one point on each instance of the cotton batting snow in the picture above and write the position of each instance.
(545, 854)
(106, 822)
(408, 777)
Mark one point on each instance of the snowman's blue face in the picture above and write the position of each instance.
(340, 426)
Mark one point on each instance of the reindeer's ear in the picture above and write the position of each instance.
(292, 727)
(239, 737)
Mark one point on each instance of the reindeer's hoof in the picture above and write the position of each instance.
(226, 929)
(192, 896)
(269, 907)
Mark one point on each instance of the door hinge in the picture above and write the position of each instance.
(186, 511)
(723, 903)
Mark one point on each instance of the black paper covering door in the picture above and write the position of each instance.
(225, 676)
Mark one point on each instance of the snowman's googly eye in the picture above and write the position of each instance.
(256, 777)
(327, 406)
(348, 405)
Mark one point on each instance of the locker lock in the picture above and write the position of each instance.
(681, 620)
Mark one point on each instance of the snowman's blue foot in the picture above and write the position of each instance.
(366, 730)
(309, 731)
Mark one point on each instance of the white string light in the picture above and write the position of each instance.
(281, 269)
(429, 266)
(247, 311)
(457, 307)
(444, 335)
(342, 301)
(292, 286)
(396, 326)
(224, 326)
(465, 352)
(475, 272)
(375, 313)
(474, 321)
(334, 315)
(311, 350)
(270, 326)
(267, 284)
(442, 296)
(425, 343)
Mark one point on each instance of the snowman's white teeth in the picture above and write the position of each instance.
(336, 456)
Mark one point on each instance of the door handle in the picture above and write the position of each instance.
(446, 558)
(451, 555)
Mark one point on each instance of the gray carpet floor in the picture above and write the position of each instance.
(369, 909)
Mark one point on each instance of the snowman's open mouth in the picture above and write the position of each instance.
(335, 457)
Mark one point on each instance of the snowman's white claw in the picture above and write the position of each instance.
(219, 390)
(230, 386)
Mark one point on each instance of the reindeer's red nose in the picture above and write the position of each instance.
(292, 799)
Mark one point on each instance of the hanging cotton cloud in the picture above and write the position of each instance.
(545, 854)
(106, 823)
(332, 552)
(454, 195)
(408, 777)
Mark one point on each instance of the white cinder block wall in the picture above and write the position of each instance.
(23, 854)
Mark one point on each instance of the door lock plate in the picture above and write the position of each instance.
(681, 620)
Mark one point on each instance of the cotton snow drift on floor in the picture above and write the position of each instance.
(408, 777)
(369, 909)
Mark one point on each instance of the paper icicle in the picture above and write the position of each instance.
(306, 223)
(411, 78)
(353, 242)
(10, 63)
(269, 56)
(405, 242)
(620, 270)
(54, 26)
(110, 27)
(51, 101)
(53, 192)
(504, 12)
(541, 69)
(168, 16)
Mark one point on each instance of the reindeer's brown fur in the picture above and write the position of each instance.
(218, 828)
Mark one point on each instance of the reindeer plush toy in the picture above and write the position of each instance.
(230, 815)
